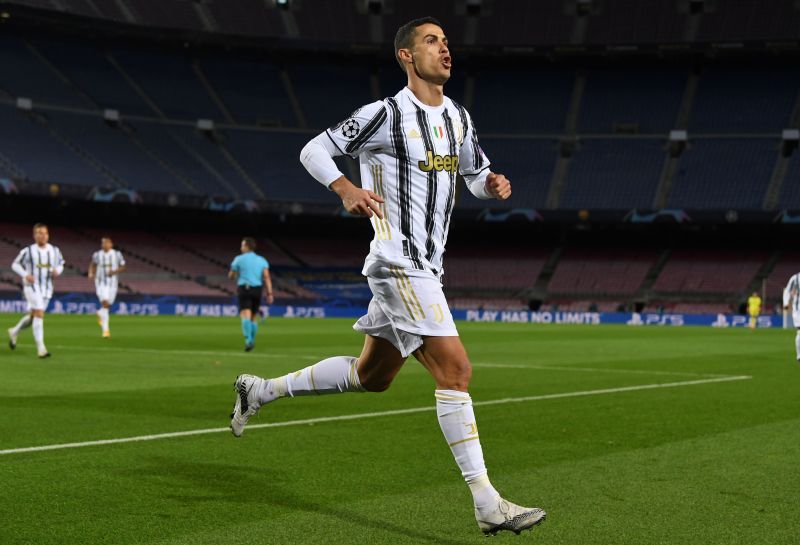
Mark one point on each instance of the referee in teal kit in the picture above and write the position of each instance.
(251, 272)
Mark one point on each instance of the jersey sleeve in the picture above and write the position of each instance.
(266, 263)
(18, 265)
(235, 264)
(365, 129)
(59, 261)
(472, 162)
(121, 259)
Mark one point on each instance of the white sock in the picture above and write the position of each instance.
(24, 322)
(103, 312)
(38, 333)
(457, 421)
(797, 344)
(330, 376)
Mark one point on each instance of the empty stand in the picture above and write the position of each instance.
(614, 174)
(724, 173)
(601, 272)
(708, 272)
(492, 269)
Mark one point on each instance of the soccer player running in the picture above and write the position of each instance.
(105, 268)
(754, 309)
(251, 272)
(37, 265)
(411, 147)
(791, 301)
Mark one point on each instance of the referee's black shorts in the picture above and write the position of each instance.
(249, 298)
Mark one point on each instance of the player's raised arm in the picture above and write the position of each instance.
(364, 130)
(58, 267)
(474, 166)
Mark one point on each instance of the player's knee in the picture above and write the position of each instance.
(375, 383)
(457, 376)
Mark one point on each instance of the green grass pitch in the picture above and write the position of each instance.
(705, 461)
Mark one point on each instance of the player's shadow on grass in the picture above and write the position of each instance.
(253, 484)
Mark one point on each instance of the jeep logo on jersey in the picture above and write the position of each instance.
(351, 128)
(439, 163)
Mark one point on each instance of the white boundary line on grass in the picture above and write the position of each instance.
(596, 370)
(360, 416)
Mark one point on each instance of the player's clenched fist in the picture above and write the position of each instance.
(498, 186)
(361, 202)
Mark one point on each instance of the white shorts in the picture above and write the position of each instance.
(34, 298)
(406, 306)
(107, 293)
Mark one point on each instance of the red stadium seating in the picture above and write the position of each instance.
(709, 272)
(601, 272)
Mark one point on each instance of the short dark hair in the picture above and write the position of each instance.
(250, 242)
(404, 38)
(39, 225)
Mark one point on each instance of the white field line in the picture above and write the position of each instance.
(361, 416)
(317, 356)
(596, 370)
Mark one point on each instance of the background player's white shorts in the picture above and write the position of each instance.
(106, 293)
(34, 298)
(406, 305)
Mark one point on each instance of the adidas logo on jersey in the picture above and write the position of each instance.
(414, 134)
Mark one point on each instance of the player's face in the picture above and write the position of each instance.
(106, 244)
(431, 54)
(41, 235)
(244, 248)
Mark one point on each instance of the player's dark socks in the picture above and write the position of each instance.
(248, 347)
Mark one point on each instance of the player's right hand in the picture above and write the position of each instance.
(357, 201)
(29, 279)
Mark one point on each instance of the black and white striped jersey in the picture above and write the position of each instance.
(410, 154)
(791, 293)
(39, 262)
(105, 262)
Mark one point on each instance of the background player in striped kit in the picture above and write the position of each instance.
(411, 148)
(37, 265)
(107, 263)
(791, 302)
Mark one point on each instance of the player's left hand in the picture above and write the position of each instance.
(270, 299)
(498, 186)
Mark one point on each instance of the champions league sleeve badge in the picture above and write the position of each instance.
(351, 128)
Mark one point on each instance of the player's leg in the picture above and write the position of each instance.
(797, 344)
(104, 317)
(374, 370)
(447, 361)
(38, 332)
(13, 332)
(255, 306)
(245, 315)
(27, 320)
(109, 296)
